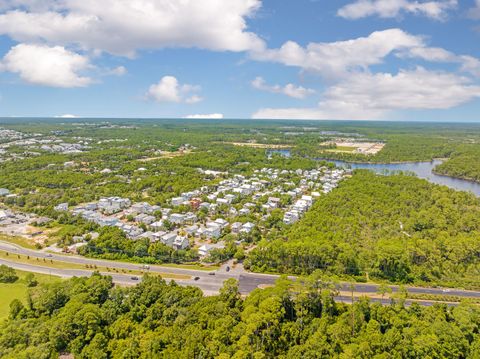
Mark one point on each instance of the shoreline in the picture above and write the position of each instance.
(379, 163)
(469, 179)
(433, 171)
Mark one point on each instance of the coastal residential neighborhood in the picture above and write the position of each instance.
(198, 220)
(15, 145)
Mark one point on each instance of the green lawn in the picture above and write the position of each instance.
(50, 263)
(19, 241)
(191, 266)
(18, 290)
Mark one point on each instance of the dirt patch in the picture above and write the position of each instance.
(365, 148)
(259, 145)
(165, 154)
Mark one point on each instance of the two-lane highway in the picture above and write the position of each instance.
(209, 281)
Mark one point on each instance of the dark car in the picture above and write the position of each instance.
(227, 269)
(211, 273)
(196, 278)
(134, 278)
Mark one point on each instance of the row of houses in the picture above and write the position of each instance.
(328, 180)
(273, 184)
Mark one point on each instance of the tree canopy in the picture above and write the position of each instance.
(398, 228)
(90, 318)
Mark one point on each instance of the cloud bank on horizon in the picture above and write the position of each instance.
(165, 58)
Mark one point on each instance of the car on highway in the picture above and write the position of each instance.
(49, 255)
(211, 273)
(196, 278)
(134, 278)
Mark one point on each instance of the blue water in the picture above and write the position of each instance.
(421, 169)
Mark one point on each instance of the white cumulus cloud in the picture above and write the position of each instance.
(336, 59)
(290, 90)
(212, 116)
(393, 8)
(168, 89)
(355, 91)
(467, 63)
(48, 66)
(122, 27)
(117, 71)
(374, 96)
(67, 115)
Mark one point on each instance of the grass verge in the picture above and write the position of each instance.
(18, 290)
(19, 241)
(55, 264)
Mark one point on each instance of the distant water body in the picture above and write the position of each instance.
(421, 170)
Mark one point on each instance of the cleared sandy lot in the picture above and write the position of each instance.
(366, 148)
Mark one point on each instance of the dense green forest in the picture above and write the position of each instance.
(90, 318)
(399, 228)
(463, 163)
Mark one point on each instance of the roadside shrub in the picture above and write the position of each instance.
(7, 274)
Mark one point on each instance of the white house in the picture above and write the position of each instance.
(307, 199)
(205, 249)
(221, 222)
(244, 212)
(62, 207)
(247, 227)
(157, 236)
(177, 218)
(190, 217)
(191, 230)
(169, 238)
(236, 227)
(178, 201)
(112, 205)
(148, 219)
(149, 235)
(223, 201)
(181, 243)
(291, 217)
(156, 226)
(213, 230)
(274, 202)
(140, 217)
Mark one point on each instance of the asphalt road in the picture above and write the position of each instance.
(209, 281)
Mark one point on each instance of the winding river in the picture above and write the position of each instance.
(421, 169)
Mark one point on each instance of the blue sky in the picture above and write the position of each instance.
(298, 59)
